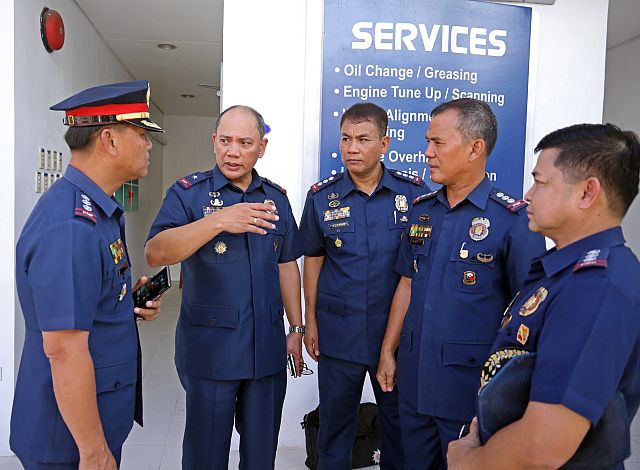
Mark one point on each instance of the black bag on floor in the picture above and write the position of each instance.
(366, 443)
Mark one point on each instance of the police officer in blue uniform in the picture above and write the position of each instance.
(578, 309)
(78, 387)
(238, 242)
(465, 252)
(351, 227)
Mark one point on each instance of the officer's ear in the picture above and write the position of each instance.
(477, 149)
(108, 139)
(263, 147)
(591, 189)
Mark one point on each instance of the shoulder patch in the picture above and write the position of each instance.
(507, 201)
(403, 175)
(84, 207)
(271, 183)
(424, 197)
(592, 259)
(325, 182)
(194, 178)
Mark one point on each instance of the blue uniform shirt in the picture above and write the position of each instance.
(73, 273)
(579, 311)
(465, 263)
(230, 325)
(359, 236)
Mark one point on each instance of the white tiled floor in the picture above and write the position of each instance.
(158, 445)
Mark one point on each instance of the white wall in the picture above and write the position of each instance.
(7, 215)
(621, 104)
(41, 80)
(272, 61)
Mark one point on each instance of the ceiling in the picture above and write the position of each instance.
(195, 28)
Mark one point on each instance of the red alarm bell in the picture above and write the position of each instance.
(51, 30)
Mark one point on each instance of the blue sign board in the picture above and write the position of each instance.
(409, 56)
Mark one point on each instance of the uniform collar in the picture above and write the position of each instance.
(85, 184)
(386, 180)
(220, 181)
(478, 197)
(555, 260)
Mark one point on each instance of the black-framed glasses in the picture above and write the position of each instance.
(304, 370)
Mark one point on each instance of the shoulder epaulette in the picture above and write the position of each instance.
(277, 186)
(84, 208)
(403, 175)
(424, 197)
(506, 200)
(592, 258)
(325, 182)
(194, 178)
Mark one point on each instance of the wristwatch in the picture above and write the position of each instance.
(296, 329)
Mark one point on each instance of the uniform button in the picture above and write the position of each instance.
(212, 321)
(329, 309)
(116, 385)
(472, 360)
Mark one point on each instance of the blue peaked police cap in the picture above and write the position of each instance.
(108, 104)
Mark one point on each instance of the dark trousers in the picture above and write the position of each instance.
(340, 384)
(35, 465)
(211, 408)
(425, 438)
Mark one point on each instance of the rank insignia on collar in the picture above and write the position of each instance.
(402, 205)
(523, 334)
(479, 228)
(220, 248)
(123, 292)
(117, 250)
(533, 302)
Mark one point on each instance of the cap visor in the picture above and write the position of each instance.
(147, 124)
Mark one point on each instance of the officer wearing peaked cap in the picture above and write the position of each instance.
(578, 310)
(235, 235)
(78, 387)
(351, 227)
(465, 252)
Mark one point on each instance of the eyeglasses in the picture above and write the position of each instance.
(304, 370)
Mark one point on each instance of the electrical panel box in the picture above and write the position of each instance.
(49, 168)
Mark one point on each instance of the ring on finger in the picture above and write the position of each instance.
(255, 221)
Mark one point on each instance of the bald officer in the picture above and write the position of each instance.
(579, 307)
(235, 235)
(78, 387)
(465, 252)
(351, 227)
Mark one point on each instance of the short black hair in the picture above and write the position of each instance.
(475, 120)
(81, 137)
(371, 112)
(259, 119)
(603, 151)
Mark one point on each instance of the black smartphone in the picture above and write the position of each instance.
(153, 289)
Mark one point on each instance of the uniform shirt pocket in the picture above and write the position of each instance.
(331, 304)
(472, 268)
(467, 354)
(222, 249)
(214, 316)
(113, 378)
(116, 296)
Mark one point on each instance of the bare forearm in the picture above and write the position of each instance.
(312, 267)
(399, 306)
(75, 391)
(177, 244)
(290, 289)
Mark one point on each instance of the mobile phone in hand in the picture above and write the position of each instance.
(154, 288)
